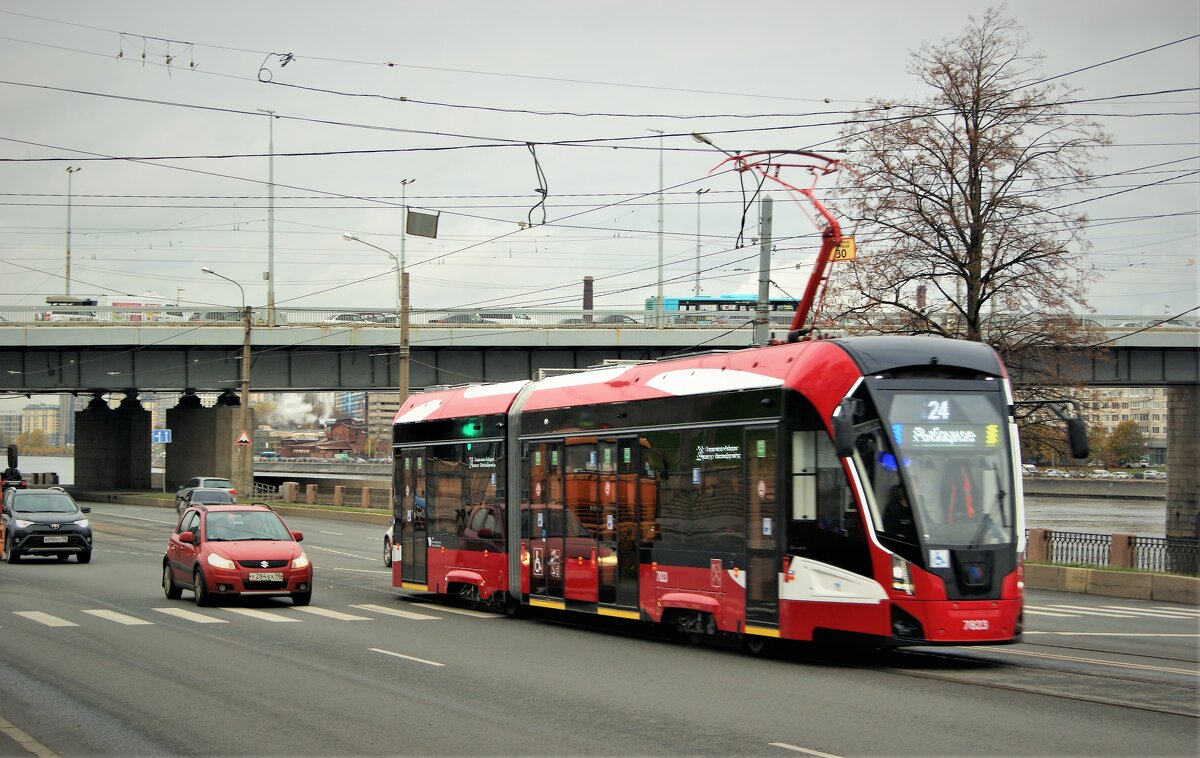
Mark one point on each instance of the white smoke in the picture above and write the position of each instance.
(290, 412)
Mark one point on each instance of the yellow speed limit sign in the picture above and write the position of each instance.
(843, 251)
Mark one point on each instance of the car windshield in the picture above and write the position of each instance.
(230, 526)
(44, 504)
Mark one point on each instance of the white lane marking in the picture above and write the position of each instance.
(1033, 612)
(187, 615)
(406, 657)
(1113, 634)
(262, 615)
(1092, 612)
(331, 614)
(44, 618)
(172, 522)
(397, 612)
(468, 612)
(340, 552)
(1096, 661)
(24, 740)
(336, 534)
(359, 571)
(1148, 612)
(804, 750)
(120, 618)
(1173, 609)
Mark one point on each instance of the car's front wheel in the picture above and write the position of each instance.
(199, 589)
(387, 552)
(302, 598)
(84, 557)
(10, 553)
(172, 590)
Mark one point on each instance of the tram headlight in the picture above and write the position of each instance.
(901, 577)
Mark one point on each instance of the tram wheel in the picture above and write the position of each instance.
(755, 645)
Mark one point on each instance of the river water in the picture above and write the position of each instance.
(1145, 518)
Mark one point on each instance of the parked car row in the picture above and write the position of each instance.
(1053, 473)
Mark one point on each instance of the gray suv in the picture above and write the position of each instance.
(183, 494)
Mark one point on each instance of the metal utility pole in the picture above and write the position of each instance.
(659, 316)
(762, 310)
(699, 192)
(270, 276)
(243, 471)
(67, 271)
(403, 368)
(401, 313)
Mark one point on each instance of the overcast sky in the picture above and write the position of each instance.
(157, 81)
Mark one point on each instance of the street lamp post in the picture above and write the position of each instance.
(243, 474)
(659, 316)
(699, 192)
(67, 271)
(270, 215)
(401, 311)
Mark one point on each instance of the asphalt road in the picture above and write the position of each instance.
(97, 662)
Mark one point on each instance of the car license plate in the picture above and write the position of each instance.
(266, 576)
(51, 539)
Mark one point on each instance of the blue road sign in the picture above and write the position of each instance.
(160, 436)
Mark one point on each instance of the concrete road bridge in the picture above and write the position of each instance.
(97, 350)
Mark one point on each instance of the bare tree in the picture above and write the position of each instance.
(957, 201)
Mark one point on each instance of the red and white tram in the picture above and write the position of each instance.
(866, 486)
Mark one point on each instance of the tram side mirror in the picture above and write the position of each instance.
(1077, 435)
(843, 428)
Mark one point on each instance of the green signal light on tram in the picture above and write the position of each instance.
(471, 429)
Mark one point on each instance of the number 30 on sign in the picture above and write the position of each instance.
(843, 251)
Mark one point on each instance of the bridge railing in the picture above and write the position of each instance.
(574, 318)
(1170, 555)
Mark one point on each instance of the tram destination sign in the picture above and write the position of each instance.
(955, 436)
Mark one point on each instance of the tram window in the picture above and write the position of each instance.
(581, 457)
(837, 511)
(804, 475)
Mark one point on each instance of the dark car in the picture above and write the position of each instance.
(612, 319)
(45, 522)
(203, 482)
(462, 318)
(232, 550)
(204, 496)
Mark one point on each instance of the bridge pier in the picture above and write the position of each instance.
(1183, 467)
(112, 446)
(203, 442)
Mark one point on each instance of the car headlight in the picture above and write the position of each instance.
(22, 524)
(300, 561)
(81, 522)
(220, 561)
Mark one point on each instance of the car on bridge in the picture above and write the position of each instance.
(470, 319)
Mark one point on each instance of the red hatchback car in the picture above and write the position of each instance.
(235, 550)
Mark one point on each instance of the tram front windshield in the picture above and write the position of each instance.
(939, 468)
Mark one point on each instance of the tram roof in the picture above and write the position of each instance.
(755, 368)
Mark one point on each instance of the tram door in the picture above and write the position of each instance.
(542, 526)
(412, 519)
(762, 529)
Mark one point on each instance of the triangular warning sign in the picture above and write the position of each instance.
(244, 439)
